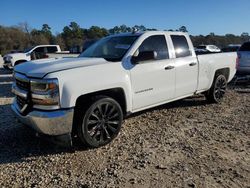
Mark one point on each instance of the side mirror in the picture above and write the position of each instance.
(144, 56)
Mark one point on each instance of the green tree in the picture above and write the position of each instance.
(96, 32)
(245, 36)
(183, 29)
(46, 31)
(73, 35)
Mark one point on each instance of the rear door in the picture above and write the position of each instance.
(153, 81)
(186, 66)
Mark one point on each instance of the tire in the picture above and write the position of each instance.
(216, 93)
(100, 122)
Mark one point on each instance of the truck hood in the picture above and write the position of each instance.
(40, 68)
(14, 55)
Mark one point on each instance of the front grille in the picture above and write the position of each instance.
(20, 102)
(22, 84)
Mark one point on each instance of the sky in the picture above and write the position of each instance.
(199, 16)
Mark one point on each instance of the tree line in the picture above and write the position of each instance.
(22, 36)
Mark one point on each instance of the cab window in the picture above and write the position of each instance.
(51, 49)
(38, 53)
(181, 46)
(155, 43)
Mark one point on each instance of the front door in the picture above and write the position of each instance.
(153, 81)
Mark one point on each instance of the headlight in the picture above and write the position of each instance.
(45, 94)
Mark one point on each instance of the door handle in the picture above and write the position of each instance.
(192, 64)
(169, 67)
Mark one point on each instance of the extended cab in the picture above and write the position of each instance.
(121, 74)
(33, 53)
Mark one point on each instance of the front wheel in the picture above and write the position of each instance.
(218, 89)
(101, 122)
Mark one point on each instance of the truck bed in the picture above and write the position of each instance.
(210, 62)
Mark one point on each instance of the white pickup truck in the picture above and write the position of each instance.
(33, 53)
(89, 96)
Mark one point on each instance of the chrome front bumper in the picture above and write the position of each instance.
(54, 123)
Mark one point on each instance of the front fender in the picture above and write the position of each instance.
(81, 81)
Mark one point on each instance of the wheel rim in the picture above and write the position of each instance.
(220, 88)
(103, 122)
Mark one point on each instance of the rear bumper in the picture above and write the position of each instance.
(53, 123)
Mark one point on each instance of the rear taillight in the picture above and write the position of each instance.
(237, 61)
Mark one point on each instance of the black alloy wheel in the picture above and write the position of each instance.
(218, 89)
(101, 122)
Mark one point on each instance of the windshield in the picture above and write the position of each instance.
(28, 49)
(110, 48)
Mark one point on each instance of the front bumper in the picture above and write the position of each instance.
(53, 123)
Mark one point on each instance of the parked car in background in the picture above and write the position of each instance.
(32, 53)
(207, 49)
(75, 52)
(243, 59)
(231, 48)
(120, 74)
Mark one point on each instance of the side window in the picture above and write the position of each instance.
(39, 50)
(38, 53)
(181, 46)
(52, 49)
(156, 43)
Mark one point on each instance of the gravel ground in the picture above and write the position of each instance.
(188, 143)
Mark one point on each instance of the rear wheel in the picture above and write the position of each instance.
(218, 89)
(100, 123)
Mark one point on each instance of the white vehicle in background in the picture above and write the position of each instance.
(120, 74)
(33, 53)
(207, 48)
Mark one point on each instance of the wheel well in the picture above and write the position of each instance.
(224, 71)
(115, 93)
(20, 61)
(83, 100)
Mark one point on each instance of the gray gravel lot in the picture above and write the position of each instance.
(188, 143)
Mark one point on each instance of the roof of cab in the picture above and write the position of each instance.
(148, 32)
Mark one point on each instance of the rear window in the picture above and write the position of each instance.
(245, 47)
(181, 46)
